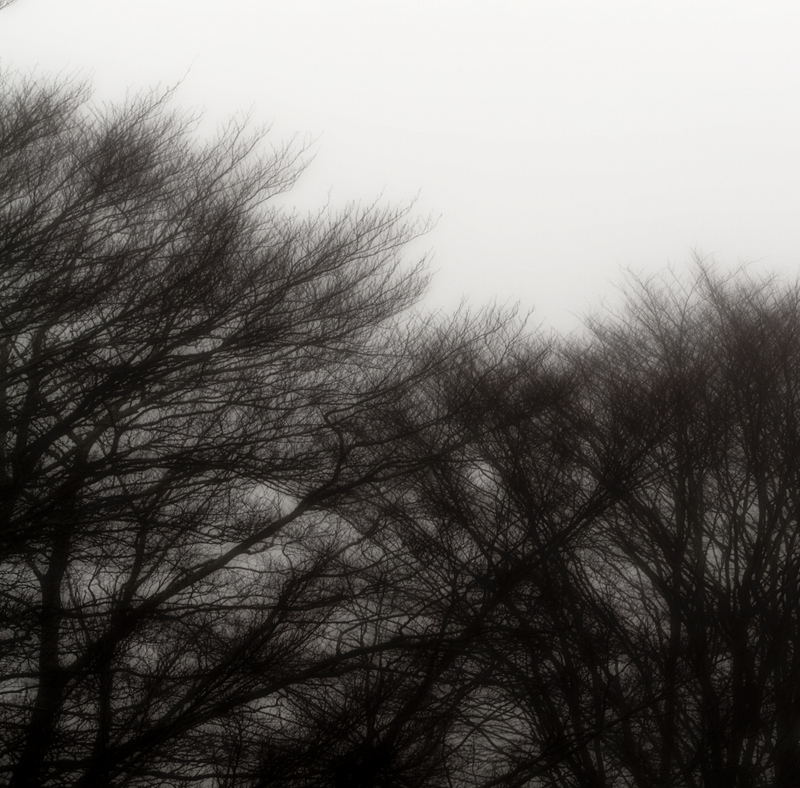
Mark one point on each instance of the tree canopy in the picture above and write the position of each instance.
(265, 524)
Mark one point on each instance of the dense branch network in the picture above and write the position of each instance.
(264, 524)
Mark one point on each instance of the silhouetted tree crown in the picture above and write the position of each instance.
(187, 374)
(263, 524)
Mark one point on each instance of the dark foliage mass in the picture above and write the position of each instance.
(263, 524)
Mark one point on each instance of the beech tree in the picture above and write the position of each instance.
(191, 381)
(697, 561)
(621, 559)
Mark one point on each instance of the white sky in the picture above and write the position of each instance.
(557, 140)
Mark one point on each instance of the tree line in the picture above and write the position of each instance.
(267, 523)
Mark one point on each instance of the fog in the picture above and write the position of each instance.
(554, 144)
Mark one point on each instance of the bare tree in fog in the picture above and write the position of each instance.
(191, 380)
(703, 546)
(264, 525)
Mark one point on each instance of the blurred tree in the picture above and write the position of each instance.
(616, 550)
(700, 553)
(190, 380)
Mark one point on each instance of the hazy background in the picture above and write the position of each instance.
(557, 141)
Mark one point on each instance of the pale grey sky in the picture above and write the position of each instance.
(558, 140)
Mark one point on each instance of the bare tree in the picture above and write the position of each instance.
(700, 550)
(618, 562)
(488, 534)
(191, 382)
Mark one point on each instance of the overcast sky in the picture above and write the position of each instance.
(557, 141)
